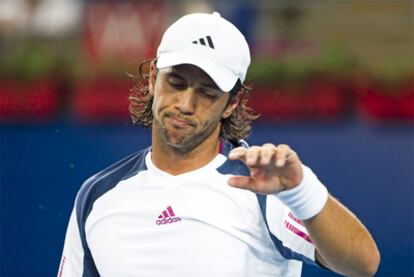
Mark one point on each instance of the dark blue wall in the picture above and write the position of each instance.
(370, 169)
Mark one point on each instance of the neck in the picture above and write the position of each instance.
(174, 162)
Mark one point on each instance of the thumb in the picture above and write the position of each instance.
(242, 182)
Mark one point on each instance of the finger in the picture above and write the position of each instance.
(267, 153)
(238, 153)
(282, 151)
(253, 155)
(242, 182)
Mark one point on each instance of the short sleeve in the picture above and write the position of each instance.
(288, 233)
(71, 263)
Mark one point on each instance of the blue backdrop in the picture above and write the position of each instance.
(369, 168)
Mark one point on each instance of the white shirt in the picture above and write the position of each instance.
(133, 219)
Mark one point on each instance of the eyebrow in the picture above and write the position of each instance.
(207, 84)
(175, 74)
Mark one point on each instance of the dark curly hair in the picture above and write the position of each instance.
(234, 128)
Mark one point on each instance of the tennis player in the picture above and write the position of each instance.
(199, 201)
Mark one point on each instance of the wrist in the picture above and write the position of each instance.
(308, 198)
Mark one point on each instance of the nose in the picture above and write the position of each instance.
(186, 101)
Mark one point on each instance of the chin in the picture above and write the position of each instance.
(183, 143)
(179, 142)
(183, 140)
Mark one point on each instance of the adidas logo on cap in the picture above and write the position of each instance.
(202, 41)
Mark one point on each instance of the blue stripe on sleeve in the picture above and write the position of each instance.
(239, 168)
(286, 252)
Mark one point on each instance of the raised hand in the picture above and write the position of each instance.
(273, 168)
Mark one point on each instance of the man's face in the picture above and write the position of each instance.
(188, 106)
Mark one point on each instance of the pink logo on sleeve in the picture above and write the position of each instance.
(62, 264)
(296, 229)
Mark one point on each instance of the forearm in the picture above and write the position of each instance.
(343, 243)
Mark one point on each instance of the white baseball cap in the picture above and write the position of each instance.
(209, 42)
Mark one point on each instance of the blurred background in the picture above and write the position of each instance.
(333, 79)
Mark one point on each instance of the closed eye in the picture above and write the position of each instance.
(176, 81)
(208, 92)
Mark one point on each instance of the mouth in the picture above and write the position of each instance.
(178, 122)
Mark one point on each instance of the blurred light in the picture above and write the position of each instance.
(40, 17)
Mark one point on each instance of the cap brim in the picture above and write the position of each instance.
(221, 75)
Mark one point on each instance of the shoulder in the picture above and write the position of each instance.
(105, 180)
(234, 167)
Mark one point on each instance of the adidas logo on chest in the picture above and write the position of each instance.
(167, 217)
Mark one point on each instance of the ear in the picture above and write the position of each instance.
(231, 106)
(151, 80)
